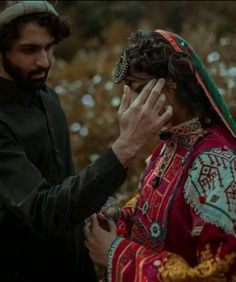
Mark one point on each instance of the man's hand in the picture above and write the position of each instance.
(98, 240)
(141, 120)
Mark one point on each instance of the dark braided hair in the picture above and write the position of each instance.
(150, 53)
(10, 32)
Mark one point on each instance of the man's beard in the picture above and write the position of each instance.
(22, 78)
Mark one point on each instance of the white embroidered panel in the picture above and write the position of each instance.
(211, 188)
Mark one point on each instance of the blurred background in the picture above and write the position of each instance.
(82, 71)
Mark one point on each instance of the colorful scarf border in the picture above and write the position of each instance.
(204, 79)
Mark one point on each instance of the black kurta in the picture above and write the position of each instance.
(42, 201)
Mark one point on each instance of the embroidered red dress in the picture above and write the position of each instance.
(183, 227)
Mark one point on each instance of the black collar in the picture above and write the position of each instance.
(11, 93)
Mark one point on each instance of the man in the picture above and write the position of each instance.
(43, 203)
(183, 226)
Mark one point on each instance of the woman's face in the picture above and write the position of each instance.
(137, 84)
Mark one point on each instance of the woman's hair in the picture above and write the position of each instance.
(10, 32)
(152, 54)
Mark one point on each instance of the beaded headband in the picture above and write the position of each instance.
(24, 8)
(121, 69)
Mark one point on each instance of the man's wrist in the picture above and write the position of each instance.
(124, 152)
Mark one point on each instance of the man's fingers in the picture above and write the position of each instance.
(155, 94)
(125, 100)
(141, 99)
(166, 115)
(158, 103)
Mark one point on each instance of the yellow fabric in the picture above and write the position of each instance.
(131, 203)
(210, 269)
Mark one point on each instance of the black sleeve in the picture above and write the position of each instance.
(54, 208)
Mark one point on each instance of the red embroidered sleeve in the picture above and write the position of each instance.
(216, 252)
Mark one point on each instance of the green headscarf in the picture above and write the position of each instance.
(204, 79)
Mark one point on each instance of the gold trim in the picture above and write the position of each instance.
(210, 269)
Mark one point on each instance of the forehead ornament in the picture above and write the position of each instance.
(121, 69)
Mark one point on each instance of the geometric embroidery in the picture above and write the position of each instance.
(208, 175)
(211, 188)
(231, 196)
(185, 133)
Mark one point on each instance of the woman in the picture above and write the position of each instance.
(183, 226)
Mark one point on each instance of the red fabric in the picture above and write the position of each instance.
(139, 257)
(125, 223)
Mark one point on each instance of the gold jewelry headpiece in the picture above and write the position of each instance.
(121, 69)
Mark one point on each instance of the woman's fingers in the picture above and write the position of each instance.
(112, 225)
(87, 229)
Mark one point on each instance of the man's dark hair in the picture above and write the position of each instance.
(10, 32)
(152, 54)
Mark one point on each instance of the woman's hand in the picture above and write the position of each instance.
(98, 240)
